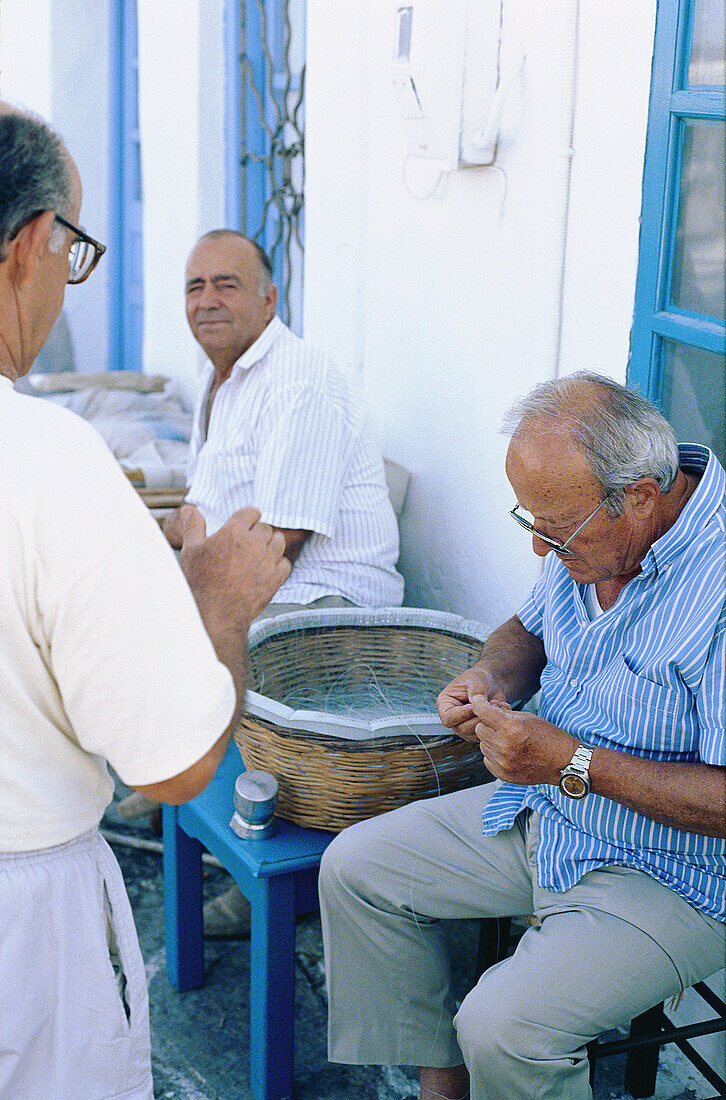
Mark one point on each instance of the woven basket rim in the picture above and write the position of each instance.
(421, 617)
(398, 723)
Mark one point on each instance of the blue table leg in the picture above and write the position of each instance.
(272, 988)
(182, 904)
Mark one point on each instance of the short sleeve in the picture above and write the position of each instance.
(302, 465)
(137, 674)
(711, 699)
(531, 613)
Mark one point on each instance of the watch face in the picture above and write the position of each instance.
(573, 785)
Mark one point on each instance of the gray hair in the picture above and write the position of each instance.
(266, 277)
(622, 436)
(34, 176)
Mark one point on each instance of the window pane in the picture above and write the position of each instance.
(707, 64)
(694, 395)
(697, 279)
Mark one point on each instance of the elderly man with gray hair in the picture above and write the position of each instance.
(104, 658)
(609, 824)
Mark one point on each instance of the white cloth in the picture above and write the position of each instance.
(288, 435)
(103, 655)
(66, 1030)
(592, 603)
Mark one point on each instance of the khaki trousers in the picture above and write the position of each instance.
(274, 609)
(613, 946)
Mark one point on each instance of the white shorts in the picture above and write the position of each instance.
(67, 1032)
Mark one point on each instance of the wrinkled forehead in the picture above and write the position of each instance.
(222, 256)
(545, 467)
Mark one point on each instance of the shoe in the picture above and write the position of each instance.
(134, 805)
(227, 917)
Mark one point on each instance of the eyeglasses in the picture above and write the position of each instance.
(84, 253)
(559, 547)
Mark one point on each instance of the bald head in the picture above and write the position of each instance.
(247, 247)
(621, 436)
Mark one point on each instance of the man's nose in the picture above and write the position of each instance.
(540, 548)
(208, 297)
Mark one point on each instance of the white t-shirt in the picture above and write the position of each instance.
(289, 435)
(103, 655)
(592, 603)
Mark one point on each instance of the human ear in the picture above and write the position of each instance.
(27, 247)
(643, 495)
(271, 300)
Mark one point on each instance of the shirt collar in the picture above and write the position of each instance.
(261, 346)
(704, 503)
(254, 352)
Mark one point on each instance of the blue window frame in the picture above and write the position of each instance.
(679, 339)
(126, 303)
(264, 120)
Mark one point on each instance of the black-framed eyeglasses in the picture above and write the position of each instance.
(84, 253)
(559, 547)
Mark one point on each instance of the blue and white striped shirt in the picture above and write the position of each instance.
(646, 677)
(289, 435)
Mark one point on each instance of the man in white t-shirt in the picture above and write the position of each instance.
(277, 426)
(104, 658)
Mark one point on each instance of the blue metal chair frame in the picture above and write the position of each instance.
(279, 878)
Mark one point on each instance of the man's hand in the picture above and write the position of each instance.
(454, 702)
(235, 572)
(509, 669)
(232, 575)
(171, 526)
(519, 747)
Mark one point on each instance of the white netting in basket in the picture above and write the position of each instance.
(365, 697)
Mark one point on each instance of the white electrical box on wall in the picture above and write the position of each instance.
(445, 79)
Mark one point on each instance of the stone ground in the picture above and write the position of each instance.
(200, 1038)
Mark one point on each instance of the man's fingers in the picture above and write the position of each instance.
(245, 517)
(277, 542)
(454, 714)
(283, 569)
(194, 528)
(485, 708)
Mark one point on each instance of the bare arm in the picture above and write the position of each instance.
(295, 538)
(233, 574)
(508, 670)
(523, 748)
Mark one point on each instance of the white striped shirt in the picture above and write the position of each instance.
(647, 677)
(288, 435)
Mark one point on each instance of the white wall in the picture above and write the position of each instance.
(24, 27)
(181, 97)
(450, 306)
(80, 111)
(54, 60)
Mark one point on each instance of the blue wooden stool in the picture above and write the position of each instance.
(279, 877)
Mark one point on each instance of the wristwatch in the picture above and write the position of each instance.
(575, 778)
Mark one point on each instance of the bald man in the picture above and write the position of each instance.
(609, 824)
(278, 427)
(104, 657)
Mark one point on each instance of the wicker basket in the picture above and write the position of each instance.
(329, 782)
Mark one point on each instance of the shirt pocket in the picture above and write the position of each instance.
(650, 715)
